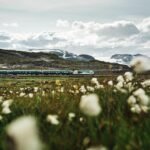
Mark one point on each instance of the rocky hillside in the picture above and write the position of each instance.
(11, 59)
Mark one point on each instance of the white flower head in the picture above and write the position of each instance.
(6, 110)
(131, 100)
(71, 116)
(139, 92)
(24, 133)
(22, 94)
(89, 105)
(7, 103)
(97, 148)
(82, 89)
(146, 83)
(90, 88)
(110, 83)
(128, 76)
(136, 109)
(140, 64)
(120, 79)
(53, 119)
(94, 81)
(31, 95)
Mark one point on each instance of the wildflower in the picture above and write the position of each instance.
(140, 64)
(94, 81)
(58, 83)
(139, 92)
(31, 95)
(7, 103)
(81, 119)
(141, 95)
(145, 108)
(71, 116)
(90, 89)
(99, 86)
(24, 133)
(82, 89)
(131, 100)
(89, 105)
(110, 83)
(128, 76)
(97, 148)
(53, 119)
(144, 99)
(146, 83)
(62, 89)
(22, 94)
(120, 79)
(36, 89)
(136, 109)
(6, 110)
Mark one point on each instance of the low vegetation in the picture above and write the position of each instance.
(79, 113)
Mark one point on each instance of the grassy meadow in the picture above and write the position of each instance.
(119, 126)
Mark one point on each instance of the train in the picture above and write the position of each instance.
(47, 72)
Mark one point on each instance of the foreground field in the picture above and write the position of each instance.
(119, 120)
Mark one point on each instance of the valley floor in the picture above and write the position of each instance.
(63, 124)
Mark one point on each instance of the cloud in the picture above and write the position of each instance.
(97, 39)
(14, 24)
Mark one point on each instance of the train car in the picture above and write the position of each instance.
(46, 72)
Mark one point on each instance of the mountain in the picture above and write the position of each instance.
(124, 58)
(66, 55)
(13, 59)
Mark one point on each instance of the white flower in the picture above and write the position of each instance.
(131, 100)
(136, 109)
(144, 99)
(22, 94)
(128, 76)
(24, 133)
(89, 105)
(36, 89)
(6, 110)
(110, 83)
(139, 92)
(97, 148)
(120, 78)
(31, 95)
(129, 86)
(90, 89)
(144, 109)
(53, 119)
(119, 85)
(21, 89)
(62, 89)
(53, 92)
(7, 103)
(94, 81)
(82, 89)
(140, 64)
(146, 83)
(99, 86)
(71, 116)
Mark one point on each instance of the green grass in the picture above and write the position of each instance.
(116, 127)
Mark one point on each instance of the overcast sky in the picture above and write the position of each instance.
(96, 27)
